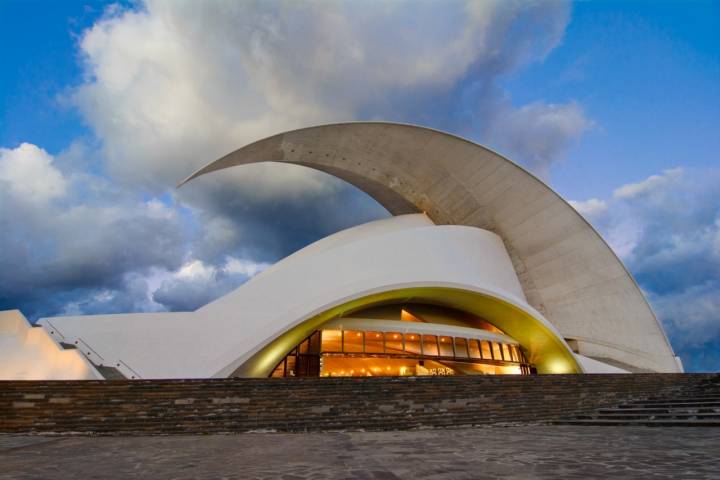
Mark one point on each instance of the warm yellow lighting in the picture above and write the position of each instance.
(406, 316)
(545, 349)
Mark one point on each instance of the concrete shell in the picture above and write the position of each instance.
(566, 270)
(247, 331)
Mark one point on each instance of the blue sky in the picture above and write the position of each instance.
(614, 104)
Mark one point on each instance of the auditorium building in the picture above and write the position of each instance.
(482, 269)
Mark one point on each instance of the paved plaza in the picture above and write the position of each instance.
(495, 452)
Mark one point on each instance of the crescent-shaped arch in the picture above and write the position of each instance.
(567, 271)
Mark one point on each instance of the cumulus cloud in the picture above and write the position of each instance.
(196, 283)
(540, 133)
(667, 229)
(84, 237)
(591, 207)
(171, 85)
(650, 185)
(28, 172)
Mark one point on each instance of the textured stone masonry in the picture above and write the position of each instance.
(318, 404)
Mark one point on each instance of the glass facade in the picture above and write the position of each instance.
(336, 352)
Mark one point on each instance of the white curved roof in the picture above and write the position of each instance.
(567, 271)
(400, 254)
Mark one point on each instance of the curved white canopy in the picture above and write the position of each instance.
(567, 272)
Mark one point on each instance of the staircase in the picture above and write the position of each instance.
(694, 406)
(150, 407)
(30, 353)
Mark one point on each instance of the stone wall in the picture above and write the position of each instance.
(305, 404)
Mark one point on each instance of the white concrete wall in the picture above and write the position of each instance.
(28, 353)
(590, 365)
(567, 271)
(399, 252)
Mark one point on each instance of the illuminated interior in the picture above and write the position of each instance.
(543, 348)
(407, 344)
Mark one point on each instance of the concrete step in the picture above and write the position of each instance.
(684, 398)
(671, 404)
(678, 416)
(623, 410)
(646, 423)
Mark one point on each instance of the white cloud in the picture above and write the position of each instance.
(197, 283)
(667, 230)
(171, 85)
(174, 85)
(244, 267)
(649, 185)
(693, 313)
(196, 269)
(540, 133)
(590, 207)
(30, 174)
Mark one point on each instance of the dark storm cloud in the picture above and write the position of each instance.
(56, 250)
(187, 294)
(238, 220)
(103, 241)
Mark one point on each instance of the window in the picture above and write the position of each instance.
(429, 345)
(352, 341)
(497, 355)
(290, 366)
(314, 343)
(474, 348)
(393, 342)
(486, 354)
(331, 341)
(412, 343)
(279, 370)
(446, 347)
(374, 342)
(461, 350)
(506, 352)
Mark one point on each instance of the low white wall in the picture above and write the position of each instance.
(28, 353)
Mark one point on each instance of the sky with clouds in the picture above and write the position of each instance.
(104, 107)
